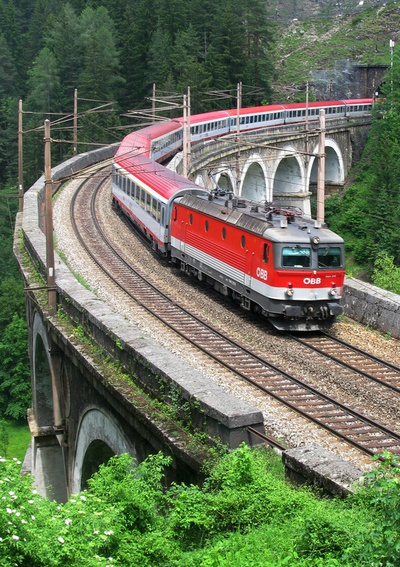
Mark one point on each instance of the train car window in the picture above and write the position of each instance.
(190, 218)
(142, 198)
(296, 257)
(224, 233)
(154, 205)
(266, 253)
(243, 241)
(163, 215)
(206, 226)
(148, 203)
(329, 257)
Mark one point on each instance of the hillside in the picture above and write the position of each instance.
(312, 9)
(307, 48)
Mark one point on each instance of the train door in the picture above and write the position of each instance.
(183, 226)
(249, 252)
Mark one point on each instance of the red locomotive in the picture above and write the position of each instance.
(274, 261)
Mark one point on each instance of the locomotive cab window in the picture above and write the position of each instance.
(266, 253)
(329, 257)
(296, 257)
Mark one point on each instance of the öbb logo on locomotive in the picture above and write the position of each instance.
(270, 260)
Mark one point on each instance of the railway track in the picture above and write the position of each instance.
(353, 358)
(355, 428)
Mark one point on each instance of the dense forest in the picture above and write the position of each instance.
(113, 51)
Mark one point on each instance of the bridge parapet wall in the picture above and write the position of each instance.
(372, 306)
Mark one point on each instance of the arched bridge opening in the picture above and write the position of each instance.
(98, 453)
(288, 176)
(334, 168)
(254, 185)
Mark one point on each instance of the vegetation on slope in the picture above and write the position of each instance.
(245, 514)
(304, 47)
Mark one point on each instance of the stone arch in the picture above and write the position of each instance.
(199, 180)
(254, 184)
(334, 164)
(224, 178)
(289, 173)
(99, 437)
(42, 392)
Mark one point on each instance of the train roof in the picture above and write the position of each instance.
(158, 180)
(139, 141)
(358, 101)
(208, 117)
(257, 110)
(326, 103)
(277, 224)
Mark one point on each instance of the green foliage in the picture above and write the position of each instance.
(11, 300)
(379, 544)
(15, 384)
(367, 215)
(386, 274)
(15, 440)
(245, 515)
(4, 437)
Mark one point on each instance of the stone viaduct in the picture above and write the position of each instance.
(280, 165)
(99, 386)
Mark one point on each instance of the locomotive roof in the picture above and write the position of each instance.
(277, 224)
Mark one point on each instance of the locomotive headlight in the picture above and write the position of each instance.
(289, 292)
(315, 240)
(333, 290)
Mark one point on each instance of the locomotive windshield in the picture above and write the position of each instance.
(296, 257)
(304, 257)
(329, 257)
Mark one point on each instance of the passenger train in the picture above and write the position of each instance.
(271, 260)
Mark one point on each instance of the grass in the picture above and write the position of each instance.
(16, 440)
